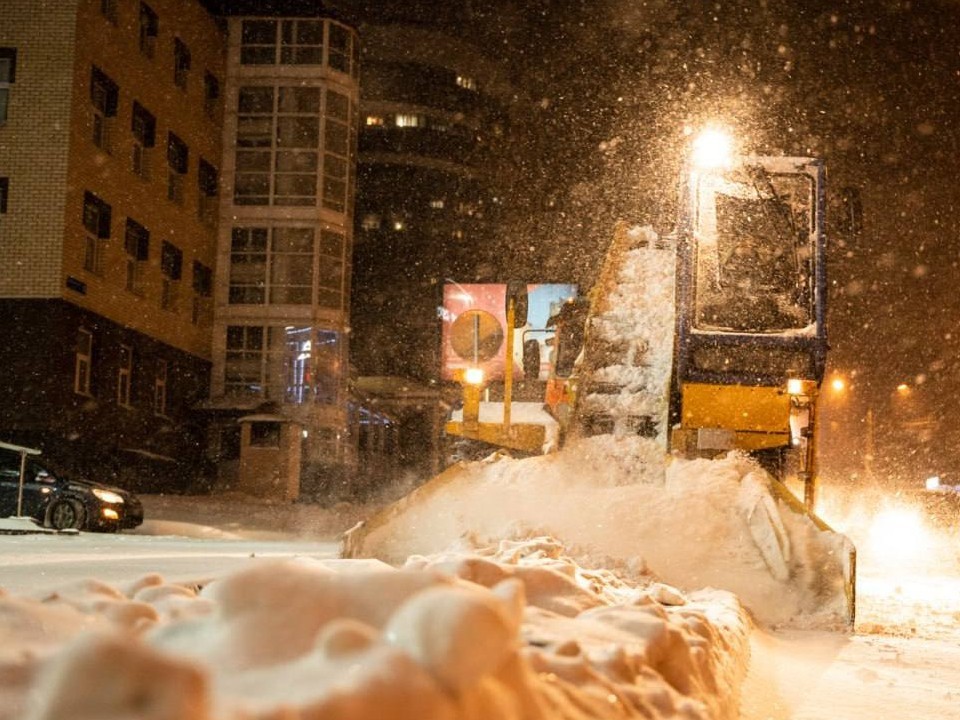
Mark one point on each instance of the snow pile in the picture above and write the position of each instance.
(628, 353)
(702, 523)
(514, 631)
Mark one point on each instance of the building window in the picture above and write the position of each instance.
(104, 94)
(277, 362)
(301, 42)
(108, 8)
(436, 204)
(144, 129)
(208, 185)
(178, 158)
(4, 194)
(326, 353)
(336, 150)
(277, 150)
(271, 266)
(340, 53)
(202, 292)
(371, 221)
(244, 361)
(160, 388)
(83, 363)
(125, 376)
(136, 242)
(171, 267)
(258, 42)
(211, 94)
(408, 120)
(265, 434)
(374, 121)
(8, 69)
(467, 83)
(181, 63)
(96, 224)
(331, 272)
(149, 27)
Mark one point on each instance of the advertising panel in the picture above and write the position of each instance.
(474, 326)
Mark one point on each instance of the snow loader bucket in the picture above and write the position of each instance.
(723, 523)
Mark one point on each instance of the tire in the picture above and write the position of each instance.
(66, 515)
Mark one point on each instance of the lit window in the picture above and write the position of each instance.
(144, 129)
(8, 66)
(136, 243)
(405, 120)
(124, 376)
(371, 221)
(83, 363)
(103, 96)
(178, 158)
(160, 388)
(436, 204)
(96, 224)
(149, 27)
(374, 121)
(171, 267)
(467, 83)
(181, 63)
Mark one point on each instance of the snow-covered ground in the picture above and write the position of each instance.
(203, 615)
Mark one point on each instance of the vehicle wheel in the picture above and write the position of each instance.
(66, 515)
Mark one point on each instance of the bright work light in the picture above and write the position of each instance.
(473, 376)
(712, 149)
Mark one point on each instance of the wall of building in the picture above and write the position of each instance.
(286, 219)
(114, 47)
(34, 143)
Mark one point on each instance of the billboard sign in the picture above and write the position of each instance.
(474, 326)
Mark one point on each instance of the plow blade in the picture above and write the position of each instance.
(721, 523)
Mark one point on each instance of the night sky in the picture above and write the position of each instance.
(873, 87)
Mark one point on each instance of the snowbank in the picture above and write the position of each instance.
(513, 631)
(614, 502)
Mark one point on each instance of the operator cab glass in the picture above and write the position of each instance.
(755, 240)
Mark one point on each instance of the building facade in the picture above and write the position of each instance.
(286, 233)
(176, 212)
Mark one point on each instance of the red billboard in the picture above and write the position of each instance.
(474, 325)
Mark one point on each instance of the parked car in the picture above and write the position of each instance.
(54, 500)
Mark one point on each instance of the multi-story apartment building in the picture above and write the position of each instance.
(176, 199)
(434, 130)
(285, 235)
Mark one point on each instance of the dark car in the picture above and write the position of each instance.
(54, 500)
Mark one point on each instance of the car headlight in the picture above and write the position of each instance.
(107, 496)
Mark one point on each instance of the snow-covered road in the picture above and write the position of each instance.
(31, 564)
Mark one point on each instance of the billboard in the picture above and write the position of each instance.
(474, 325)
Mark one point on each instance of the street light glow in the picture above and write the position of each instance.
(712, 150)
(838, 385)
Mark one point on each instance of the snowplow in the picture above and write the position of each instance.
(706, 342)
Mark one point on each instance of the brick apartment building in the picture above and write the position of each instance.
(177, 184)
